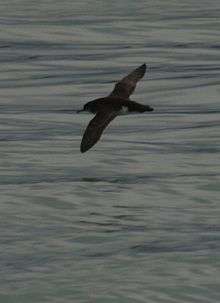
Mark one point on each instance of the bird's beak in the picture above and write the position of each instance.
(79, 111)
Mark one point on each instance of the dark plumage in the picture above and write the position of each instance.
(106, 109)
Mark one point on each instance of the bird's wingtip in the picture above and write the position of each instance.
(83, 149)
(143, 67)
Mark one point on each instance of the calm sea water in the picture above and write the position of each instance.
(135, 219)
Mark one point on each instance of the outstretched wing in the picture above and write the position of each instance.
(125, 87)
(96, 127)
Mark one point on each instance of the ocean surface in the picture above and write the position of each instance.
(137, 218)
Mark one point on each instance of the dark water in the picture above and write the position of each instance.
(136, 219)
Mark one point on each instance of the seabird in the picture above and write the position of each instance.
(107, 108)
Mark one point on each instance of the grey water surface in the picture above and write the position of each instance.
(136, 218)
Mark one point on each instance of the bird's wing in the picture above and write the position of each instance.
(96, 127)
(125, 87)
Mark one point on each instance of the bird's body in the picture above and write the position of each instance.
(119, 104)
(107, 108)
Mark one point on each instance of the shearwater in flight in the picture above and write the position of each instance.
(107, 108)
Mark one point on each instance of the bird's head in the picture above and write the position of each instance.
(84, 109)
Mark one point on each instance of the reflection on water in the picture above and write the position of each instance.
(135, 219)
